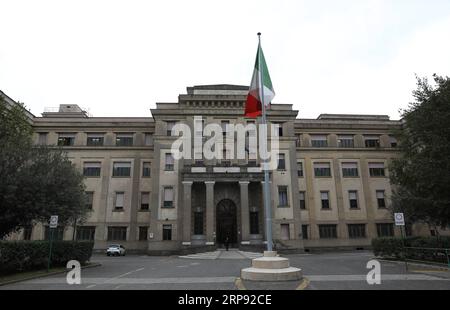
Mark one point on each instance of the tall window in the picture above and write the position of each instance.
(356, 231)
(95, 139)
(148, 139)
(42, 138)
(376, 169)
(198, 223)
(224, 125)
(319, 141)
(143, 233)
(322, 169)
(167, 232)
(169, 162)
(300, 169)
(305, 232)
(385, 230)
(65, 139)
(117, 233)
(145, 201)
(346, 141)
(393, 141)
(27, 231)
(119, 201)
(92, 169)
(254, 223)
(168, 197)
(121, 169)
(325, 199)
(89, 200)
(279, 131)
(353, 199)
(124, 139)
(281, 162)
(381, 199)
(372, 141)
(328, 231)
(282, 196)
(146, 169)
(86, 233)
(170, 126)
(301, 197)
(350, 170)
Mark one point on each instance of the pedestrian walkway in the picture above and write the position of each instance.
(222, 254)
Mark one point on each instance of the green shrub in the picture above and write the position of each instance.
(16, 256)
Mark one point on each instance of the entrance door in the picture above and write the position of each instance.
(226, 222)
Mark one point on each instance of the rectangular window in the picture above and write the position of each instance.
(117, 233)
(322, 169)
(124, 139)
(198, 223)
(169, 162)
(66, 139)
(279, 131)
(328, 231)
(298, 141)
(58, 233)
(350, 170)
(285, 235)
(381, 200)
(393, 141)
(372, 141)
(170, 126)
(385, 230)
(254, 223)
(281, 162)
(301, 197)
(95, 140)
(376, 169)
(300, 169)
(42, 138)
(353, 199)
(121, 169)
(167, 232)
(325, 200)
(282, 197)
(346, 141)
(168, 197)
(27, 231)
(146, 169)
(92, 169)
(356, 231)
(143, 233)
(85, 233)
(224, 125)
(305, 232)
(89, 200)
(145, 201)
(319, 141)
(148, 139)
(119, 201)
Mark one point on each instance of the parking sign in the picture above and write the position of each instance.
(399, 219)
(53, 221)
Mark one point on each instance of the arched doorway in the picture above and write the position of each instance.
(226, 222)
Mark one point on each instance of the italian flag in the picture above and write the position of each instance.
(260, 79)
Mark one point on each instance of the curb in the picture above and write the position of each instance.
(303, 284)
(239, 284)
(47, 274)
(421, 264)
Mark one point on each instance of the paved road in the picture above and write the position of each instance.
(213, 271)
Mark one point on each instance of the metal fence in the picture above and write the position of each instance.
(435, 255)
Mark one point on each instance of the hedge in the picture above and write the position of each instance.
(17, 256)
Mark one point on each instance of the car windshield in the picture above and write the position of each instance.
(114, 246)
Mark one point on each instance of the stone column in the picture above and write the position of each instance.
(245, 222)
(210, 208)
(187, 215)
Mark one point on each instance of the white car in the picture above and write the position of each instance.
(115, 250)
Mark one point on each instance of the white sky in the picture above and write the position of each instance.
(117, 58)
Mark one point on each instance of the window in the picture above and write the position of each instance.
(301, 197)
(224, 125)
(281, 162)
(117, 233)
(298, 141)
(353, 199)
(376, 169)
(322, 169)
(167, 232)
(381, 201)
(168, 197)
(121, 169)
(169, 162)
(350, 170)
(66, 139)
(148, 139)
(198, 223)
(42, 140)
(170, 125)
(89, 200)
(146, 169)
(393, 141)
(356, 231)
(319, 141)
(325, 200)
(95, 140)
(305, 232)
(372, 141)
(92, 169)
(346, 141)
(145, 201)
(385, 230)
(119, 201)
(27, 231)
(85, 233)
(254, 223)
(282, 196)
(58, 233)
(279, 131)
(328, 231)
(124, 139)
(300, 169)
(143, 233)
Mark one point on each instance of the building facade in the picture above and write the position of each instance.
(331, 188)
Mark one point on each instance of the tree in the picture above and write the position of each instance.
(36, 181)
(422, 172)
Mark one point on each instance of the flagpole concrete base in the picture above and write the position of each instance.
(271, 268)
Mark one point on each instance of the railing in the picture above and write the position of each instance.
(435, 255)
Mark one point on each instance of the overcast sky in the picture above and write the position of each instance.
(117, 58)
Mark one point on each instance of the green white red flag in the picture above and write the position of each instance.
(260, 79)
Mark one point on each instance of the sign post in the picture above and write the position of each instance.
(52, 226)
(400, 221)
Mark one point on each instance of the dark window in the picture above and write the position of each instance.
(385, 230)
(350, 170)
(58, 233)
(86, 233)
(282, 196)
(281, 162)
(327, 231)
(89, 200)
(381, 201)
(322, 170)
(121, 169)
(408, 229)
(325, 199)
(125, 140)
(66, 141)
(305, 232)
(393, 142)
(92, 170)
(170, 126)
(356, 231)
(198, 223)
(146, 170)
(117, 233)
(433, 233)
(376, 169)
(224, 125)
(319, 141)
(169, 162)
(143, 233)
(145, 201)
(94, 141)
(27, 231)
(301, 197)
(346, 142)
(353, 199)
(372, 142)
(254, 223)
(167, 232)
(300, 170)
(168, 197)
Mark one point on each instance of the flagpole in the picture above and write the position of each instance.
(266, 189)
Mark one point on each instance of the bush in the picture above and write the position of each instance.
(17, 256)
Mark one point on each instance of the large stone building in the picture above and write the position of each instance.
(331, 188)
